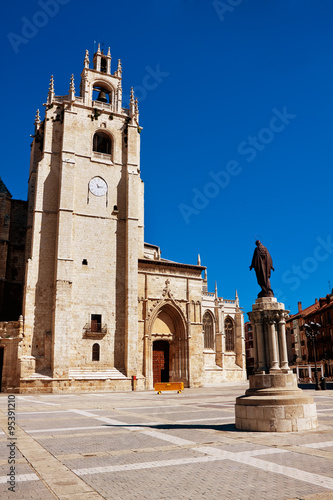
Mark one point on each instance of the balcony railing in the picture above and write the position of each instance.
(94, 330)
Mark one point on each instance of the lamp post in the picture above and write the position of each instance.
(311, 331)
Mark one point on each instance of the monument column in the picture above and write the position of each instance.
(273, 402)
(258, 340)
(273, 348)
(283, 344)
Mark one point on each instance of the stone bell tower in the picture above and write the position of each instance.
(85, 230)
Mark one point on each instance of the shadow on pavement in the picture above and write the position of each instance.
(222, 427)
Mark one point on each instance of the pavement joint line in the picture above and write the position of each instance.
(50, 412)
(26, 400)
(291, 472)
(214, 454)
(57, 429)
(20, 477)
(324, 444)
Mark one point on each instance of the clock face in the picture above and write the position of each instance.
(98, 186)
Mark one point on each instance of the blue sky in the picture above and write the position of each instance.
(237, 124)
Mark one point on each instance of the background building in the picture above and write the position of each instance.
(249, 348)
(303, 355)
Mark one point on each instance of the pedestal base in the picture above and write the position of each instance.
(274, 403)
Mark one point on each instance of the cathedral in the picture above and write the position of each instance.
(85, 303)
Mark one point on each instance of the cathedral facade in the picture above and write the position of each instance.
(100, 308)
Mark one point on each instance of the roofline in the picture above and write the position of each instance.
(171, 264)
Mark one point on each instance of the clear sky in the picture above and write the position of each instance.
(235, 100)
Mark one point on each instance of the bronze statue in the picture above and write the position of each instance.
(263, 264)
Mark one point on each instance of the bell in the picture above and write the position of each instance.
(102, 97)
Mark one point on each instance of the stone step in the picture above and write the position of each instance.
(111, 373)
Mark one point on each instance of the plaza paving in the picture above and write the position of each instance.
(140, 445)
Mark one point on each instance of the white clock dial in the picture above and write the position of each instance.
(98, 186)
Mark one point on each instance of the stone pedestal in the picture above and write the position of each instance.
(273, 403)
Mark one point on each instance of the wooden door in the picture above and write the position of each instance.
(160, 361)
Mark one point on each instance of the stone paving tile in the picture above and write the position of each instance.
(215, 481)
(86, 444)
(58, 424)
(306, 463)
(115, 446)
(20, 468)
(192, 433)
(239, 447)
(196, 415)
(27, 490)
(132, 458)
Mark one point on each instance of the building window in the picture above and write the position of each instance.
(208, 326)
(96, 323)
(102, 143)
(95, 352)
(229, 335)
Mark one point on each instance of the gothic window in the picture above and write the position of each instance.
(102, 143)
(229, 335)
(193, 315)
(208, 327)
(95, 352)
(96, 323)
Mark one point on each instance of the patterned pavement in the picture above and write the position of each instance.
(141, 445)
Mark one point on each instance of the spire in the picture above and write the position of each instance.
(199, 260)
(97, 58)
(236, 298)
(136, 107)
(108, 62)
(86, 59)
(215, 289)
(119, 69)
(37, 121)
(50, 95)
(72, 89)
(132, 106)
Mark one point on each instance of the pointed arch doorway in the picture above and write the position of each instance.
(168, 345)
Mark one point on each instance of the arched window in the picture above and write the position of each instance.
(229, 335)
(102, 143)
(208, 326)
(95, 352)
(193, 315)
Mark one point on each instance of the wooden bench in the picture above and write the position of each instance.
(169, 386)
